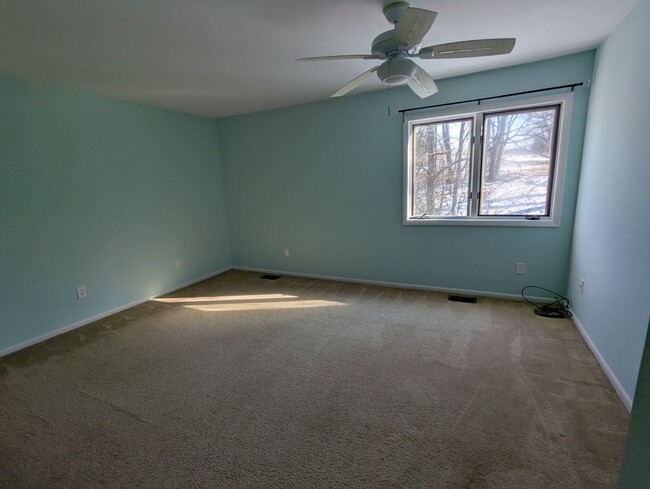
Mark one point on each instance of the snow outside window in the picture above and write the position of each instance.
(501, 164)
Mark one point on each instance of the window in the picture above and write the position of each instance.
(500, 164)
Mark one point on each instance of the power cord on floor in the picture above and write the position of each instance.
(557, 309)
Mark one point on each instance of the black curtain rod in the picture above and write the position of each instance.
(479, 100)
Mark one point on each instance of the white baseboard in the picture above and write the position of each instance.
(444, 290)
(622, 393)
(83, 322)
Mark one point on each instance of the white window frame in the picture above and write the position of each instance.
(564, 100)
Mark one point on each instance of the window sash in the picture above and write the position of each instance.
(552, 156)
(470, 163)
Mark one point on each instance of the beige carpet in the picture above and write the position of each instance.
(244, 382)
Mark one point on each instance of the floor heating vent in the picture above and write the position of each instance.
(460, 298)
(270, 277)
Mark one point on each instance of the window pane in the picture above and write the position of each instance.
(441, 159)
(517, 165)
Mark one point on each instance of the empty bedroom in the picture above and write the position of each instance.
(344, 243)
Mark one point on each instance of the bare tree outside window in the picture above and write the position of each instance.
(441, 168)
(517, 162)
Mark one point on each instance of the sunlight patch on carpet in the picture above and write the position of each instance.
(226, 298)
(250, 306)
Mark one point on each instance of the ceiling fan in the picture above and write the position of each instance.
(404, 42)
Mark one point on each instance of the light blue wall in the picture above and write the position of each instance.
(101, 193)
(611, 247)
(325, 180)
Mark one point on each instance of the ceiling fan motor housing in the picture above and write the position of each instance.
(396, 71)
(384, 44)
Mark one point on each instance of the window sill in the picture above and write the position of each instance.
(503, 222)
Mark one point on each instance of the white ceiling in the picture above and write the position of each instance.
(224, 57)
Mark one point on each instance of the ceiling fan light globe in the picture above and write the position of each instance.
(397, 71)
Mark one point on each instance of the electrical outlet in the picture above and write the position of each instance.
(520, 268)
(286, 252)
(81, 292)
(581, 285)
(178, 264)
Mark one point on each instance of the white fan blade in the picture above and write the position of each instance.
(342, 56)
(468, 49)
(422, 84)
(348, 87)
(413, 25)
